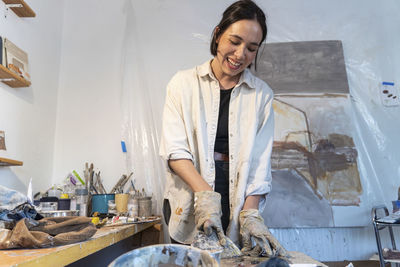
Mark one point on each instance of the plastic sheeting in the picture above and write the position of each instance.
(139, 130)
(163, 37)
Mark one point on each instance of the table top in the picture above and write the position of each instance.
(295, 257)
(63, 255)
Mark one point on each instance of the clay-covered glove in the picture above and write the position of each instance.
(207, 214)
(252, 227)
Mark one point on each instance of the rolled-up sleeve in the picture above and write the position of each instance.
(259, 180)
(174, 139)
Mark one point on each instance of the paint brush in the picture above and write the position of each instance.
(133, 185)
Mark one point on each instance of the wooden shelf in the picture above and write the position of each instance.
(24, 11)
(12, 79)
(10, 162)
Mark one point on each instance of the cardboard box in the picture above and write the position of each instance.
(16, 59)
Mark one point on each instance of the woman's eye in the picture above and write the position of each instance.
(234, 42)
(252, 49)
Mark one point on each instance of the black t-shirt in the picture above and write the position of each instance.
(222, 138)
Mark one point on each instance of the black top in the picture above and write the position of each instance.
(222, 138)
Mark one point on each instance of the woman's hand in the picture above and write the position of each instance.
(252, 227)
(207, 214)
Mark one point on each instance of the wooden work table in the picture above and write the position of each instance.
(101, 249)
(64, 255)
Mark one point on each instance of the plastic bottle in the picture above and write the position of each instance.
(133, 205)
(81, 195)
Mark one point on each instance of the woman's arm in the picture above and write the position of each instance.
(185, 169)
(251, 202)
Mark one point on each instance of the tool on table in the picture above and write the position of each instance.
(77, 176)
(91, 175)
(133, 185)
(94, 189)
(119, 186)
(100, 183)
(86, 174)
(211, 243)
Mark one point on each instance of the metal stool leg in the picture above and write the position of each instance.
(379, 245)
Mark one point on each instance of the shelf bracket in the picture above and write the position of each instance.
(13, 5)
(7, 80)
(8, 6)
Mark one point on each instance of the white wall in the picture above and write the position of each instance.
(28, 115)
(88, 117)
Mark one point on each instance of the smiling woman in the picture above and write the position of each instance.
(217, 139)
(236, 49)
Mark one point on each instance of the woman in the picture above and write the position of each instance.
(217, 139)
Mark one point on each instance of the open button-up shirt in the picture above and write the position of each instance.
(190, 122)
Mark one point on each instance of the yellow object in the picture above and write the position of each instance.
(121, 201)
(95, 220)
(64, 196)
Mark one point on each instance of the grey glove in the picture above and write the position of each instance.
(207, 214)
(252, 227)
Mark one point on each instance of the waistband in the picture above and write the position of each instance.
(221, 157)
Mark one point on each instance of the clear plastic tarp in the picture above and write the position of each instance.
(163, 37)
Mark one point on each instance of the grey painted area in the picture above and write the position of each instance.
(293, 203)
(333, 244)
(303, 67)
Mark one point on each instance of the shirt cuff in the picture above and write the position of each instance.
(261, 189)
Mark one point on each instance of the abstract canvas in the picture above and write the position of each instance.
(314, 159)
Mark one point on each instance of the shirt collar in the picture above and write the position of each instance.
(247, 77)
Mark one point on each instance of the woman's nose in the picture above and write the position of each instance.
(240, 52)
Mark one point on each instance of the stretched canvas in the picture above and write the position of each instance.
(314, 159)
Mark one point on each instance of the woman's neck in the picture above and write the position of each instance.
(225, 81)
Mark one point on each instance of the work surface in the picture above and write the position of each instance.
(105, 237)
(63, 255)
(295, 257)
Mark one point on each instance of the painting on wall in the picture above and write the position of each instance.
(314, 159)
(2, 141)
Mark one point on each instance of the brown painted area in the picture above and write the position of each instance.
(178, 211)
(340, 140)
(332, 161)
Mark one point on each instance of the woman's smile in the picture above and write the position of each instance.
(234, 65)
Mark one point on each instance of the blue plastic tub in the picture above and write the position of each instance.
(100, 202)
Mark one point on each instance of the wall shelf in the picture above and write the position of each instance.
(11, 79)
(22, 10)
(10, 162)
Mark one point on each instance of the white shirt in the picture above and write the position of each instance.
(190, 122)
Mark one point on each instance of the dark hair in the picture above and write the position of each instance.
(240, 10)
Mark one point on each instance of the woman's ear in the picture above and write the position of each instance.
(216, 31)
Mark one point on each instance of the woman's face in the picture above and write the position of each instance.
(237, 48)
